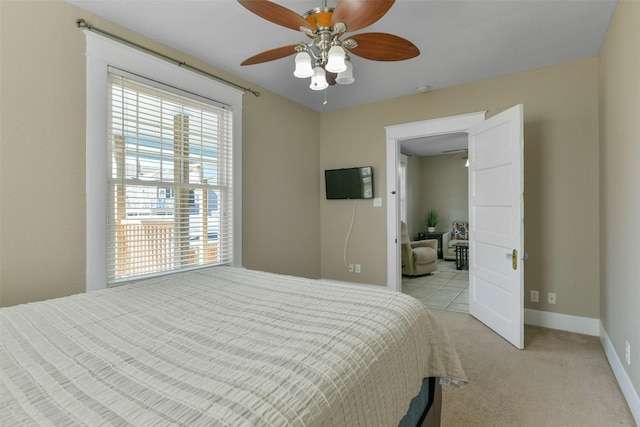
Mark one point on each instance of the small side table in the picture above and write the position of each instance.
(462, 255)
(438, 236)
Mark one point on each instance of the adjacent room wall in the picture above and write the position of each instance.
(445, 184)
(619, 107)
(42, 174)
(438, 182)
(561, 177)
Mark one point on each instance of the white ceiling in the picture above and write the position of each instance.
(459, 41)
(449, 144)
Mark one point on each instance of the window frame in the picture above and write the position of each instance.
(103, 52)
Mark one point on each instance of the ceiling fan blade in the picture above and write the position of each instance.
(275, 13)
(382, 47)
(270, 55)
(358, 14)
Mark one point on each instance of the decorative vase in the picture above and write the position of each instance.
(431, 229)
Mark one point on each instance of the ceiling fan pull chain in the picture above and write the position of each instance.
(325, 97)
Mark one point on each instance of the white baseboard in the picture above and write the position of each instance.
(563, 322)
(630, 394)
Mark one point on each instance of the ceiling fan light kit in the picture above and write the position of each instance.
(319, 79)
(337, 61)
(324, 51)
(346, 77)
(303, 65)
(325, 57)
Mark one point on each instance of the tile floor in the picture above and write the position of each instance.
(446, 289)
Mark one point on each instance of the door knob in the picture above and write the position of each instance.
(513, 256)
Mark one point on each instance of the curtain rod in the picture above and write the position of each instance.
(81, 23)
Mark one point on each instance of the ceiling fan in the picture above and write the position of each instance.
(323, 57)
(465, 154)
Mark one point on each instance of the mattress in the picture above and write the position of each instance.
(220, 346)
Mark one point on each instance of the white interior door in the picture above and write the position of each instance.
(396, 134)
(496, 227)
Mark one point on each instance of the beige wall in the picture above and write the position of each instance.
(42, 134)
(440, 183)
(281, 219)
(347, 145)
(445, 189)
(561, 176)
(42, 175)
(619, 96)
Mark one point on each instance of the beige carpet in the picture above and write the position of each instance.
(560, 379)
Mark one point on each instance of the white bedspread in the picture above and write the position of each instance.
(220, 346)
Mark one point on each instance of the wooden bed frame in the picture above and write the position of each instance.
(433, 411)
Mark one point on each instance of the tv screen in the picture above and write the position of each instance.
(349, 183)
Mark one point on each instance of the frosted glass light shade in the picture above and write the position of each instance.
(346, 77)
(336, 62)
(318, 80)
(303, 65)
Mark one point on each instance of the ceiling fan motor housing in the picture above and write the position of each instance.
(324, 34)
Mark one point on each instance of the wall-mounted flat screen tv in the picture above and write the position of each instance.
(349, 183)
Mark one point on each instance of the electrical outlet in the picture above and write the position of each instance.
(535, 296)
(350, 268)
(358, 268)
(551, 297)
(627, 352)
(377, 202)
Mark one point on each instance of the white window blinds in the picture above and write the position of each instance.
(170, 183)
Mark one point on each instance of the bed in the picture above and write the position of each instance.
(223, 346)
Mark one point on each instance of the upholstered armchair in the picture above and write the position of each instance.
(420, 257)
(459, 233)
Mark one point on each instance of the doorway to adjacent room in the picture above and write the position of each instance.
(496, 204)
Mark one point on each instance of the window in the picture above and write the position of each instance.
(404, 162)
(151, 209)
(170, 186)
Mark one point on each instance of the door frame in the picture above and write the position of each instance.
(395, 134)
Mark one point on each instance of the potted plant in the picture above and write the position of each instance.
(432, 220)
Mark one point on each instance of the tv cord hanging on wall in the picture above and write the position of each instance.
(346, 240)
